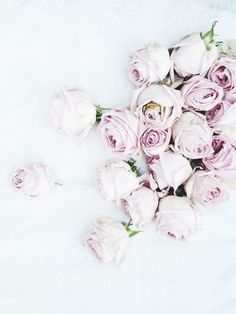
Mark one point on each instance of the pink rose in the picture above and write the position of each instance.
(192, 136)
(190, 56)
(169, 169)
(226, 125)
(154, 141)
(116, 181)
(108, 240)
(33, 180)
(119, 130)
(176, 217)
(73, 112)
(201, 94)
(149, 64)
(214, 115)
(223, 73)
(223, 159)
(205, 188)
(157, 106)
(141, 205)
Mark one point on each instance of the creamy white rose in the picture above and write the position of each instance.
(73, 112)
(169, 169)
(157, 105)
(194, 54)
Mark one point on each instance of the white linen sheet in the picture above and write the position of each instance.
(44, 268)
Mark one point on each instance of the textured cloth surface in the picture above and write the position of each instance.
(44, 269)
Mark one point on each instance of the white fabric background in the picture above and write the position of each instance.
(44, 269)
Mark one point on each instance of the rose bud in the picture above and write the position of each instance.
(149, 64)
(215, 115)
(157, 106)
(169, 169)
(73, 112)
(226, 124)
(223, 73)
(119, 131)
(108, 240)
(32, 180)
(154, 141)
(194, 54)
(192, 136)
(116, 181)
(141, 204)
(205, 188)
(201, 94)
(223, 159)
(176, 217)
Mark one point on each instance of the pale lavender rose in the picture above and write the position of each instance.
(201, 94)
(214, 115)
(154, 141)
(108, 240)
(73, 112)
(169, 169)
(223, 159)
(206, 188)
(191, 56)
(149, 64)
(229, 47)
(119, 131)
(32, 180)
(226, 125)
(116, 181)
(141, 204)
(157, 106)
(223, 73)
(176, 217)
(192, 136)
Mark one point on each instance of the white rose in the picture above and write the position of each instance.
(108, 240)
(149, 64)
(73, 112)
(32, 180)
(116, 181)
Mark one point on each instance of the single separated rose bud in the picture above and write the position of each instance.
(73, 112)
(32, 180)
(149, 64)
(195, 53)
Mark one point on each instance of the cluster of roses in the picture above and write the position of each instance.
(181, 123)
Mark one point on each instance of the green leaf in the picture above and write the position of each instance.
(133, 167)
(132, 233)
(208, 37)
